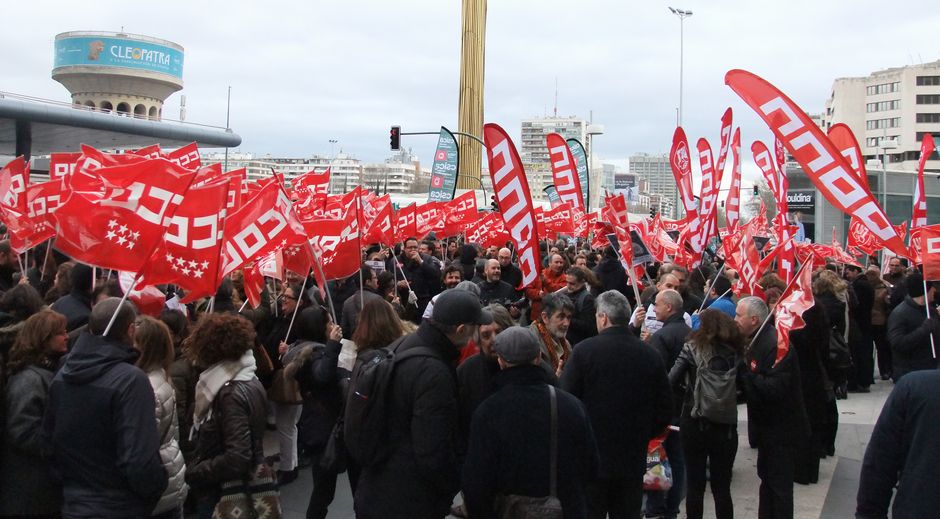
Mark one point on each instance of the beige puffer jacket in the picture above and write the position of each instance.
(170, 453)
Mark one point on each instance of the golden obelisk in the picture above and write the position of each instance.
(472, 43)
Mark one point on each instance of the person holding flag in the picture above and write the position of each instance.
(910, 331)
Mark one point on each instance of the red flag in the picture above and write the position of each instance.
(564, 172)
(62, 164)
(14, 177)
(382, 228)
(725, 141)
(930, 251)
(861, 238)
(844, 140)
(429, 217)
(711, 182)
(116, 215)
(584, 222)
(488, 230)
(405, 223)
(187, 156)
(253, 283)
(310, 183)
(680, 162)
(263, 224)
(540, 223)
(514, 198)
(459, 213)
(615, 210)
(188, 254)
(559, 219)
(733, 205)
(820, 159)
(779, 183)
(919, 214)
(788, 312)
(42, 202)
(336, 244)
(150, 152)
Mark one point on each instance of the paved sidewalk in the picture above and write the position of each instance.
(832, 498)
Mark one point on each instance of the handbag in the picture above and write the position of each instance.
(284, 388)
(514, 506)
(255, 497)
(840, 357)
(658, 475)
(334, 459)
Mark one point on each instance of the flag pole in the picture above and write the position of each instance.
(303, 287)
(45, 261)
(326, 286)
(120, 304)
(933, 348)
(771, 312)
(710, 285)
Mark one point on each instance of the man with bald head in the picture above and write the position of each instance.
(668, 341)
(509, 272)
(644, 319)
(493, 289)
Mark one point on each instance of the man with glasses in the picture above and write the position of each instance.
(352, 306)
(509, 272)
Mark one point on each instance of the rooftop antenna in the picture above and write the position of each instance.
(556, 96)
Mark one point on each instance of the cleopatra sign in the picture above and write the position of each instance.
(142, 53)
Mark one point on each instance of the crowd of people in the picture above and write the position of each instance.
(497, 392)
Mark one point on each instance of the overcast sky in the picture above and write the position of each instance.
(304, 73)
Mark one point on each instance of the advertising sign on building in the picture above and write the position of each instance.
(802, 201)
(99, 51)
(626, 184)
(444, 169)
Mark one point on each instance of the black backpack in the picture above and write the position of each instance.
(367, 405)
(714, 395)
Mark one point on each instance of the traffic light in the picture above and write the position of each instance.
(494, 204)
(652, 211)
(394, 138)
(756, 191)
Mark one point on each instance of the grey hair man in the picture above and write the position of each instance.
(622, 383)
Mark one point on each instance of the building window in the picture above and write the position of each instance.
(928, 80)
(877, 124)
(882, 106)
(928, 118)
(885, 88)
(920, 136)
(928, 99)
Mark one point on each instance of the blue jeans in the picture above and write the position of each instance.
(666, 503)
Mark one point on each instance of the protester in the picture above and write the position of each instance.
(352, 306)
(879, 322)
(450, 276)
(61, 283)
(818, 398)
(420, 475)
(492, 288)
(622, 383)
(691, 301)
(644, 316)
(668, 342)
(421, 275)
(912, 335)
(509, 272)
(831, 293)
(709, 446)
(861, 341)
(76, 305)
(583, 323)
(897, 279)
(516, 441)
(16, 306)
(611, 274)
(9, 264)
(152, 339)
(27, 485)
(902, 455)
(551, 279)
(551, 328)
(774, 406)
(719, 298)
(230, 411)
(100, 424)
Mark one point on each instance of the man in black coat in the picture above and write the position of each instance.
(420, 476)
(583, 323)
(903, 455)
(100, 424)
(509, 272)
(353, 305)
(909, 330)
(774, 405)
(610, 273)
(668, 341)
(861, 339)
(421, 274)
(76, 305)
(622, 383)
(510, 442)
(493, 289)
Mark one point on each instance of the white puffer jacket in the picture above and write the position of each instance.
(170, 454)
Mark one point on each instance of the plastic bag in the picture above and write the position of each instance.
(658, 471)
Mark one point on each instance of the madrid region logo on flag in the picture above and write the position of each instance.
(121, 234)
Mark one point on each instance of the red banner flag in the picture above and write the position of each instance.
(711, 182)
(310, 183)
(680, 162)
(489, 230)
(14, 177)
(725, 141)
(777, 179)
(187, 156)
(919, 214)
(429, 217)
(514, 198)
(822, 162)
(733, 205)
(788, 312)
(405, 223)
(188, 254)
(844, 140)
(564, 171)
(382, 228)
(336, 244)
(930, 251)
(559, 219)
(62, 164)
(459, 213)
(116, 215)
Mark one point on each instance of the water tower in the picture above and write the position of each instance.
(128, 74)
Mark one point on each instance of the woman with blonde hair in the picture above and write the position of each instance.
(831, 293)
(27, 487)
(153, 340)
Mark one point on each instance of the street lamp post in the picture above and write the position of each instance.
(592, 130)
(332, 157)
(682, 14)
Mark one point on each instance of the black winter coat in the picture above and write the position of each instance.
(510, 448)
(102, 430)
(909, 333)
(622, 383)
(583, 322)
(420, 477)
(499, 292)
(75, 306)
(865, 295)
(612, 276)
(668, 341)
(774, 393)
(685, 370)
(512, 275)
(320, 386)
(903, 454)
(476, 381)
(425, 279)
